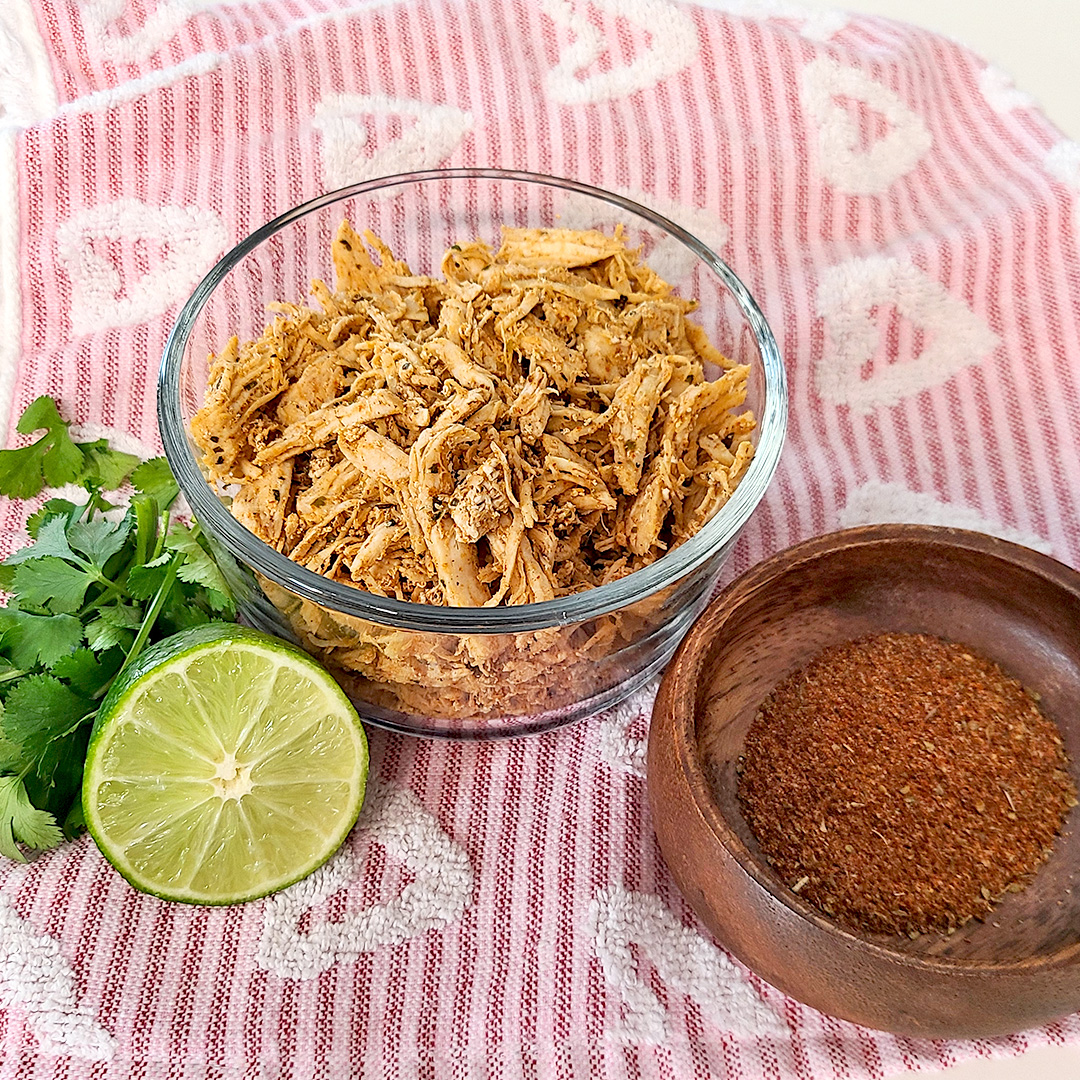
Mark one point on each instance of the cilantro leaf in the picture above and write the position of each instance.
(35, 828)
(40, 709)
(75, 821)
(61, 459)
(50, 583)
(145, 580)
(104, 467)
(20, 472)
(155, 478)
(87, 671)
(11, 754)
(52, 460)
(115, 625)
(179, 613)
(221, 604)
(11, 757)
(53, 508)
(55, 785)
(100, 635)
(21, 820)
(8, 846)
(28, 640)
(99, 540)
(199, 567)
(51, 540)
(123, 616)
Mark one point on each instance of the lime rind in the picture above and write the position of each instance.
(224, 766)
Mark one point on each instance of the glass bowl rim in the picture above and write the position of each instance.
(355, 602)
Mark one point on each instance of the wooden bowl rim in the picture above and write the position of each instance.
(683, 698)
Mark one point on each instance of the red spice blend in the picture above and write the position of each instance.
(901, 784)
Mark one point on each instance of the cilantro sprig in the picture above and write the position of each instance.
(55, 459)
(85, 598)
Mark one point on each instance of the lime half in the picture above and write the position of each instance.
(223, 764)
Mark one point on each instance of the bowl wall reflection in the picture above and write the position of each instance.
(466, 672)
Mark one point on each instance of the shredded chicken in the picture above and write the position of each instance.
(536, 422)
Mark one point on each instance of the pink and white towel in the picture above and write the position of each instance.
(911, 226)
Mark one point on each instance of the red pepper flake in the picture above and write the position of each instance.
(902, 784)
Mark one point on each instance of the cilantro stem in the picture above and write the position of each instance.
(159, 547)
(154, 610)
(109, 584)
(97, 575)
(146, 533)
(146, 528)
(78, 724)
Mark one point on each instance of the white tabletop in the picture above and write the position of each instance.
(1037, 42)
(1046, 1063)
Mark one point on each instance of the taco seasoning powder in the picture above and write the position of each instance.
(902, 785)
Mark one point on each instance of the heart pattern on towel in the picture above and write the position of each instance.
(502, 907)
(37, 980)
(1062, 161)
(875, 503)
(111, 24)
(352, 152)
(1001, 93)
(848, 165)
(102, 249)
(814, 24)
(848, 296)
(440, 891)
(623, 740)
(671, 45)
(622, 922)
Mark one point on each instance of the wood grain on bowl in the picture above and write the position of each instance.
(1018, 968)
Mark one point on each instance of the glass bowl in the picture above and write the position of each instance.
(466, 672)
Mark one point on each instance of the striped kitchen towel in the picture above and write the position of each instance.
(910, 224)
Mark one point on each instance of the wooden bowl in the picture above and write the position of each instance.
(1019, 968)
